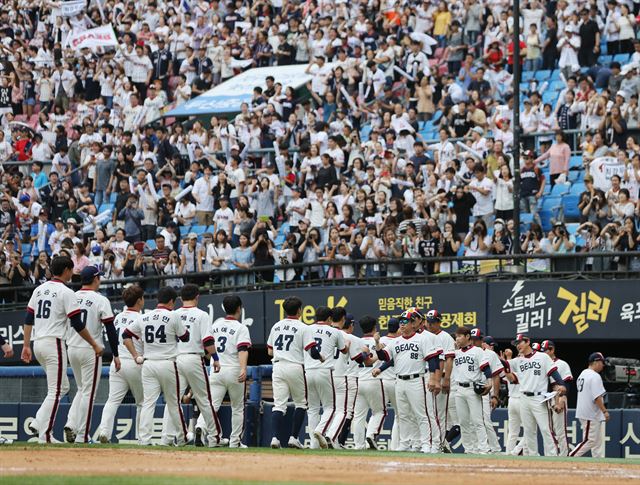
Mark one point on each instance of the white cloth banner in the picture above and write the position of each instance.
(72, 8)
(101, 37)
(602, 169)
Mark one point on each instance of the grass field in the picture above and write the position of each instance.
(23, 463)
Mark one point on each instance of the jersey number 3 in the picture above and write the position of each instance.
(152, 335)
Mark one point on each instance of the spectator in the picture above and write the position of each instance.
(558, 156)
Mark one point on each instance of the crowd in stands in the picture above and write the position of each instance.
(402, 148)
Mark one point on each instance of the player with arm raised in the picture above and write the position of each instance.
(534, 370)
(191, 366)
(558, 405)
(160, 329)
(232, 344)
(129, 377)
(95, 310)
(408, 355)
(52, 308)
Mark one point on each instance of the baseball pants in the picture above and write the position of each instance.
(514, 444)
(492, 437)
(345, 401)
(446, 406)
(223, 382)
(559, 429)
(432, 409)
(128, 378)
(193, 373)
(321, 395)
(390, 394)
(161, 376)
(593, 438)
(86, 371)
(472, 430)
(534, 413)
(411, 398)
(288, 379)
(51, 354)
(370, 396)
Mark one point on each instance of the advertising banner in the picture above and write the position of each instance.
(570, 310)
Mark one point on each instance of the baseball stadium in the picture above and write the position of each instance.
(319, 241)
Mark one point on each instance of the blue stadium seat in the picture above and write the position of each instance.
(546, 217)
(576, 162)
(577, 188)
(551, 203)
(365, 131)
(151, 244)
(113, 197)
(549, 97)
(576, 176)
(436, 116)
(603, 48)
(184, 230)
(26, 249)
(105, 207)
(198, 229)
(559, 190)
(605, 60)
(622, 58)
(527, 76)
(555, 75)
(570, 207)
(526, 218)
(543, 75)
(572, 227)
(557, 85)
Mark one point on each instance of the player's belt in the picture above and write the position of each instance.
(464, 384)
(409, 377)
(530, 394)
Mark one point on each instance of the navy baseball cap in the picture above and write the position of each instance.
(595, 357)
(547, 344)
(489, 340)
(476, 333)
(349, 319)
(519, 338)
(393, 324)
(89, 273)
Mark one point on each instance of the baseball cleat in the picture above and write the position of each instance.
(371, 443)
(275, 443)
(69, 435)
(5, 441)
(330, 443)
(198, 438)
(445, 447)
(321, 440)
(239, 445)
(435, 450)
(295, 443)
(104, 439)
(32, 429)
(221, 443)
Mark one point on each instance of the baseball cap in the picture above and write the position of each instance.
(535, 346)
(234, 147)
(547, 344)
(71, 220)
(393, 324)
(24, 198)
(96, 250)
(349, 319)
(413, 313)
(295, 188)
(489, 340)
(192, 235)
(89, 273)
(478, 130)
(476, 333)
(519, 338)
(596, 356)
(433, 316)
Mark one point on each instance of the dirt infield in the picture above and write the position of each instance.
(279, 467)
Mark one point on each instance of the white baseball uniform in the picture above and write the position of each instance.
(559, 420)
(389, 385)
(51, 304)
(445, 401)
(468, 365)
(514, 445)
(345, 397)
(95, 310)
(496, 369)
(591, 418)
(321, 391)
(408, 356)
(193, 372)
(232, 337)
(160, 330)
(533, 371)
(128, 378)
(370, 396)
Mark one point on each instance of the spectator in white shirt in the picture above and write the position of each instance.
(223, 217)
(482, 188)
(185, 211)
(202, 194)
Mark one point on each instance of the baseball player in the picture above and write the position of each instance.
(129, 377)
(407, 354)
(232, 343)
(514, 444)
(330, 342)
(533, 371)
(7, 349)
(345, 384)
(590, 409)
(52, 308)
(160, 330)
(445, 405)
(288, 340)
(370, 396)
(469, 365)
(389, 381)
(490, 401)
(558, 405)
(192, 369)
(95, 310)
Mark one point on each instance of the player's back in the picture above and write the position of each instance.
(198, 323)
(95, 309)
(364, 371)
(52, 304)
(329, 341)
(229, 335)
(390, 373)
(287, 339)
(122, 321)
(160, 330)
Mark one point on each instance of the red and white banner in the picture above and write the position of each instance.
(100, 37)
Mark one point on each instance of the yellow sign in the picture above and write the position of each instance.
(583, 308)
